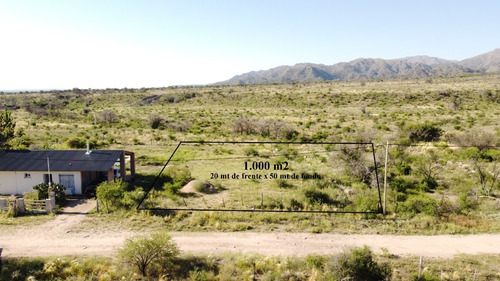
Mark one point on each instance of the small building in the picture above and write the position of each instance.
(76, 170)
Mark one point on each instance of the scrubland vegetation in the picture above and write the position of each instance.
(443, 165)
(143, 258)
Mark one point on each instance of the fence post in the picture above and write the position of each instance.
(20, 205)
(3, 204)
(420, 268)
(52, 196)
(48, 206)
(385, 177)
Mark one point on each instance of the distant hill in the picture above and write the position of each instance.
(368, 68)
(487, 63)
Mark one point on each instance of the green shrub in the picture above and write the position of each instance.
(111, 193)
(319, 136)
(471, 153)
(316, 261)
(33, 195)
(428, 184)
(295, 204)
(403, 168)
(366, 203)
(175, 178)
(401, 184)
(251, 151)
(492, 155)
(422, 132)
(132, 198)
(467, 203)
(420, 203)
(202, 186)
(58, 189)
(315, 196)
(149, 252)
(77, 142)
(359, 264)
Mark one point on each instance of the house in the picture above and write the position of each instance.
(76, 170)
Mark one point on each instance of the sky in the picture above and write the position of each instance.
(116, 44)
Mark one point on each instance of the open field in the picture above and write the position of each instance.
(443, 172)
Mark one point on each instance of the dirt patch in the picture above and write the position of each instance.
(66, 236)
(198, 187)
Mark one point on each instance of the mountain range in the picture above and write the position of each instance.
(369, 68)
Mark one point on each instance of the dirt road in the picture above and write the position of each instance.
(63, 236)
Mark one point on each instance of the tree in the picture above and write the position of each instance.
(111, 192)
(7, 126)
(488, 178)
(107, 116)
(356, 167)
(428, 166)
(144, 252)
(155, 121)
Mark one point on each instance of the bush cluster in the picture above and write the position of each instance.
(427, 132)
(266, 128)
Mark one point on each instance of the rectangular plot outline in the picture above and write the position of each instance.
(379, 209)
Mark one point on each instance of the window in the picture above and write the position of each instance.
(46, 178)
(27, 176)
(68, 181)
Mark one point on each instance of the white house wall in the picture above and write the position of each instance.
(8, 184)
(18, 183)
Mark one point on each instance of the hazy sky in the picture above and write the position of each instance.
(115, 44)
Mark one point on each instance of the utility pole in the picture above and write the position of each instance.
(49, 178)
(385, 175)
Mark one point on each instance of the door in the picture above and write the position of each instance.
(68, 181)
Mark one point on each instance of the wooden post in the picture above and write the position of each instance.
(253, 277)
(132, 164)
(474, 278)
(261, 199)
(420, 268)
(111, 175)
(385, 176)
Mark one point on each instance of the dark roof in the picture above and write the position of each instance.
(60, 160)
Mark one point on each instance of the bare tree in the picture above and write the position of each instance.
(243, 126)
(488, 178)
(107, 116)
